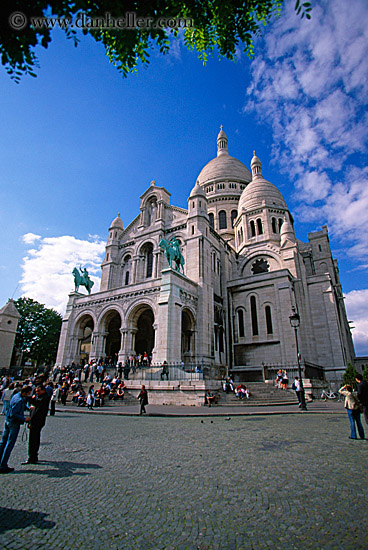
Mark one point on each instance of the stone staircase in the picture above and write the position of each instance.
(261, 394)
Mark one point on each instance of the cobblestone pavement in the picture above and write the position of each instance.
(148, 483)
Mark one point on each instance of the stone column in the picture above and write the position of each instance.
(123, 346)
(74, 351)
(156, 263)
(130, 341)
(154, 353)
(98, 348)
(135, 266)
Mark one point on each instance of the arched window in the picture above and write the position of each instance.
(252, 229)
(259, 226)
(222, 219)
(149, 260)
(151, 211)
(234, 215)
(126, 269)
(253, 312)
(240, 235)
(274, 225)
(281, 221)
(211, 220)
(241, 323)
(268, 320)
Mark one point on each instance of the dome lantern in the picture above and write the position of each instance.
(222, 142)
(256, 166)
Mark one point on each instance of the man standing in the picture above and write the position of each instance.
(39, 409)
(14, 418)
(143, 399)
(298, 390)
(362, 388)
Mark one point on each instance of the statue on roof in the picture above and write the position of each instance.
(81, 278)
(172, 253)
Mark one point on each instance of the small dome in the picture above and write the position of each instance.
(197, 190)
(287, 233)
(117, 223)
(261, 191)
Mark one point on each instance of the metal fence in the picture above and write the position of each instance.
(173, 371)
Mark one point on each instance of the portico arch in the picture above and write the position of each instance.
(84, 332)
(141, 324)
(110, 326)
(187, 335)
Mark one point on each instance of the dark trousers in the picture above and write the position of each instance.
(34, 443)
(52, 408)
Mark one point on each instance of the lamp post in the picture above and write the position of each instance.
(295, 323)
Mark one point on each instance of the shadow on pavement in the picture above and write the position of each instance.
(60, 469)
(11, 518)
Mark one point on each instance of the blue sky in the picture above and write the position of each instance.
(79, 143)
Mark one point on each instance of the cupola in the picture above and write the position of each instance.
(256, 166)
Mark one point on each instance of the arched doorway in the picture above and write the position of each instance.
(85, 330)
(187, 336)
(113, 337)
(145, 335)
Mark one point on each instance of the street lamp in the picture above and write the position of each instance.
(295, 323)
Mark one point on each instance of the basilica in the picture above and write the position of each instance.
(228, 305)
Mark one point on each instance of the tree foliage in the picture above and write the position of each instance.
(217, 25)
(349, 375)
(365, 372)
(38, 331)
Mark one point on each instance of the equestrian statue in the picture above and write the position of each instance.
(82, 279)
(172, 253)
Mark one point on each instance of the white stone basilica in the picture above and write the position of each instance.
(245, 271)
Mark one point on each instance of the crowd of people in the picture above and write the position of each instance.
(23, 403)
(30, 401)
(282, 379)
(241, 391)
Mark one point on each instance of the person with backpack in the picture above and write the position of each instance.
(352, 407)
(14, 418)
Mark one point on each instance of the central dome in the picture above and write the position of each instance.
(224, 167)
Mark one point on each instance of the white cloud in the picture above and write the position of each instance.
(356, 303)
(309, 83)
(30, 238)
(47, 269)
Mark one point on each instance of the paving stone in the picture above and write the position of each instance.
(111, 482)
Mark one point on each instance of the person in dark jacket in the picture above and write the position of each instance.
(14, 418)
(143, 399)
(362, 390)
(39, 410)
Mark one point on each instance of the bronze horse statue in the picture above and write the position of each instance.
(173, 253)
(82, 279)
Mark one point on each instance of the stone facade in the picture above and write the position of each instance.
(245, 271)
(9, 317)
